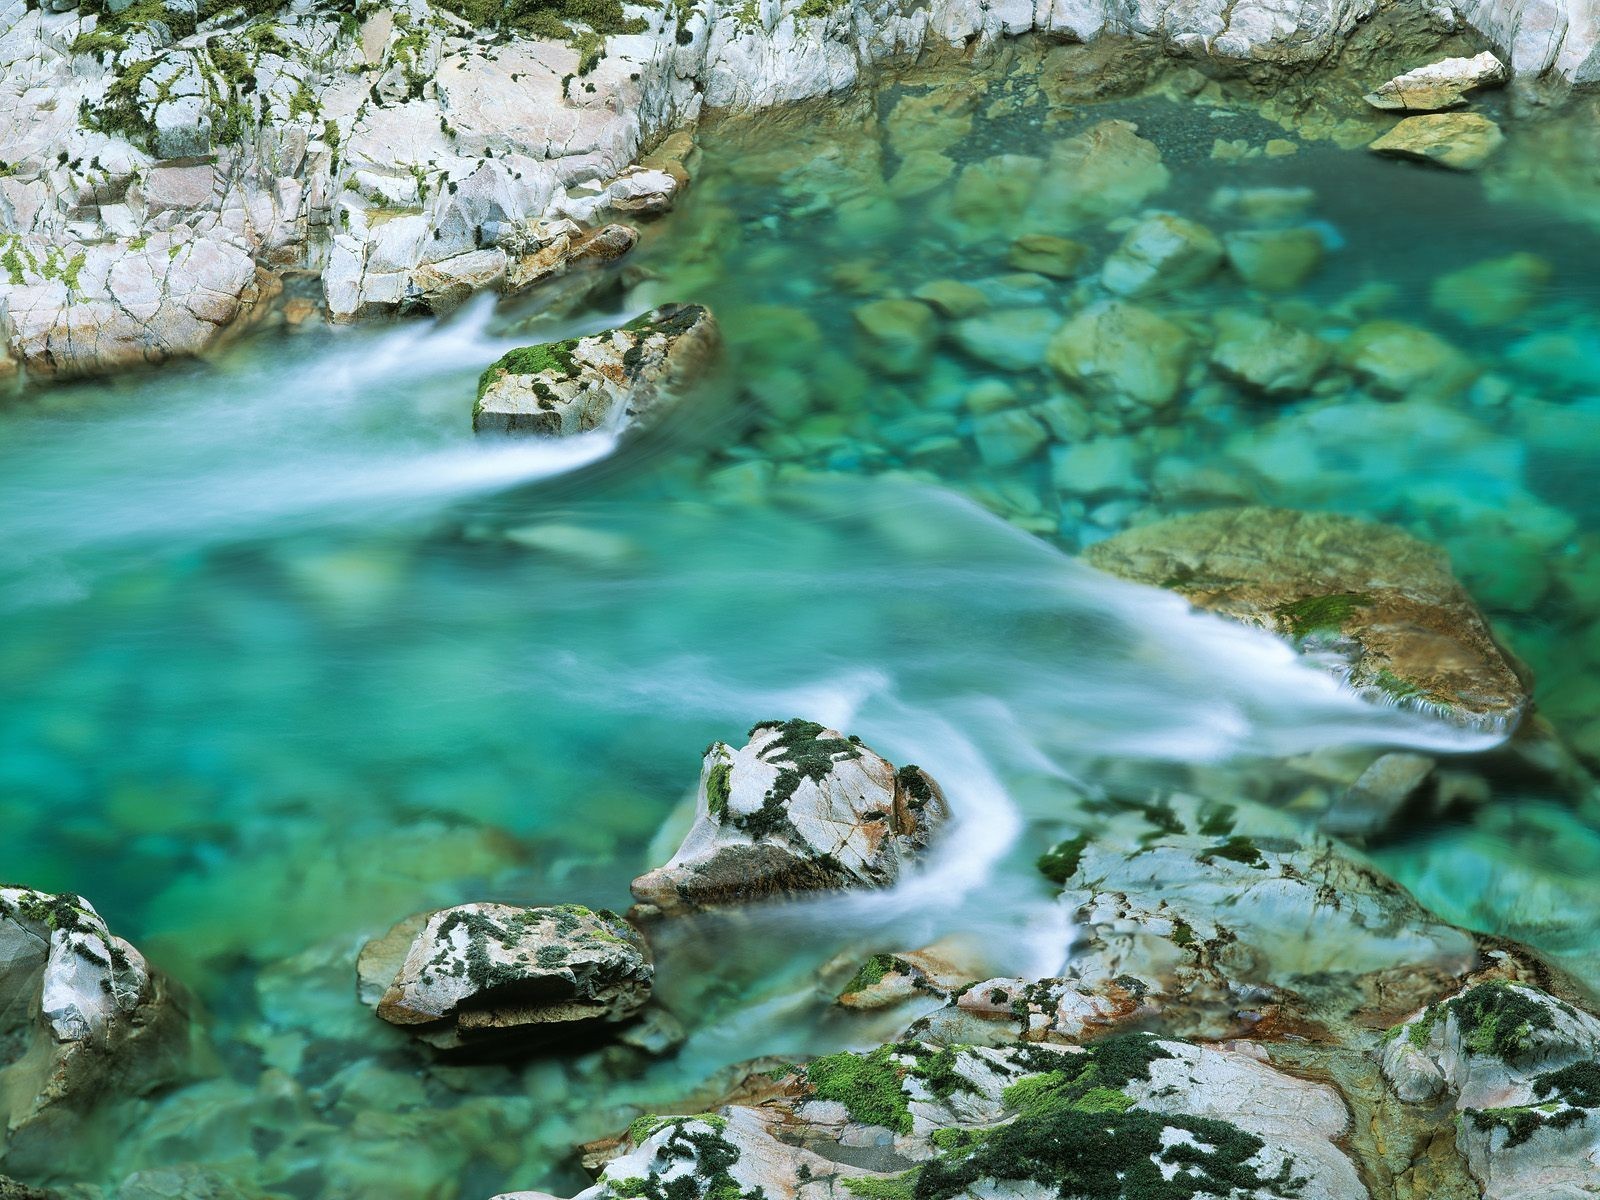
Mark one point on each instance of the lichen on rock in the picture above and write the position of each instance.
(799, 808)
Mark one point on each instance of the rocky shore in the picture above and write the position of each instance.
(167, 170)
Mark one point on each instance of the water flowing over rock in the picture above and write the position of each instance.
(799, 808)
(488, 976)
(619, 378)
(1384, 604)
(86, 1022)
(1439, 85)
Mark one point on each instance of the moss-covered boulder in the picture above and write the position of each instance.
(611, 380)
(492, 976)
(799, 808)
(1381, 605)
(84, 1023)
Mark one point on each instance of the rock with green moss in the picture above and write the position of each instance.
(1126, 1117)
(84, 1023)
(1520, 1069)
(614, 380)
(1379, 606)
(480, 977)
(799, 808)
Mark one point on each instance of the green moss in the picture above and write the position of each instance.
(868, 1085)
(1319, 614)
(700, 1140)
(1216, 820)
(1578, 1085)
(1060, 862)
(1499, 1020)
(915, 784)
(1182, 932)
(1522, 1122)
(120, 113)
(530, 360)
(882, 1187)
(718, 790)
(1422, 1029)
(1237, 849)
(871, 972)
(800, 752)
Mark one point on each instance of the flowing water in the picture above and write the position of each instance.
(287, 655)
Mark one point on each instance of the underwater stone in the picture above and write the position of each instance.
(485, 976)
(1161, 254)
(1275, 358)
(1460, 141)
(1096, 466)
(1013, 339)
(1103, 172)
(920, 172)
(1046, 254)
(1274, 260)
(1377, 796)
(83, 1022)
(1007, 437)
(1123, 352)
(1383, 605)
(799, 808)
(1439, 85)
(952, 298)
(1406, 360)
(897, 335)
(618, 378)
(1494, 292)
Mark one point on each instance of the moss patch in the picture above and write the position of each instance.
(1319, 614)
(1499, 1020)
(1060, 862)
(868, 1085)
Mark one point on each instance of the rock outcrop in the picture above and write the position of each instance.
(615, 379)
(159, 164)
(494, 976)
(1381, 603)
(1439, 85)
(84, 1022)
(799, 808)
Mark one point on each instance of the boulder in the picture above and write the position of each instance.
(1404, 360)
(1046, 254)
(1124, 353)
(1162, 253)
(1439, 85)
(1271, 357)
(897, 335)
(1520, 1071)
(1460, 141)
(1013, 339)
(617, 379)
(488, 976)
(83, 1022)
(1493, 292)
(799, 808)
(1105, 171)
(1274, 260)
(1376, 604)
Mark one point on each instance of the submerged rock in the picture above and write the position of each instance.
(1275, 358)
(1274, 260)
(83, 1022)
(1160, 254)
(799, 808)
(1439, 85)
(1493, 292)
(1105, 171)
(1460, 141)
(1406, 361)
(897, 335)
(618, 378)
(1384, 604)
(480, 976)
(1124, 353)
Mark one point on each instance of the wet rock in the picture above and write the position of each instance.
(1407, 361)
(489, 976)
(897, 335)
(1122, 352)
(1382, 604)
(1460, 141)
(1013, 339)
(1005, 1120)
(1008, 437)
(84, 1022)
(885, 980)
(1103, 172)
(1263, 204)
(1494, 292)
(643, 191)
(539, 255)
(1274, 260)
(1046, 254)
(1439, 85)
(1371, 803)
(1274, 358)
(1163, 253)
(620, 378)
(1096, 466)
(952, 298)
(1520, 1069)
(920, 172)
(799, 808)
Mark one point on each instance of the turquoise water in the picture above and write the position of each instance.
(287, 656)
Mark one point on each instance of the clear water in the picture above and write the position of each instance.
(286, 655)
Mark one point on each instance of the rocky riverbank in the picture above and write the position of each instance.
(165, 169)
